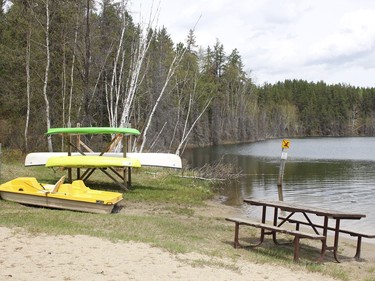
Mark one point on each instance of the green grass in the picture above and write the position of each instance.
(161, 209)
(371, 274)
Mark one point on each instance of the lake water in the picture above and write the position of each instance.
(335, 173)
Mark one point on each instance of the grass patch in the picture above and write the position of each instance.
(161, 209)
(371, 274)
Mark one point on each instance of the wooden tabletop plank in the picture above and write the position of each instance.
(294, 207)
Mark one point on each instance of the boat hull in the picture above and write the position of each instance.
(91, 162)
(75, 196)
(57, 203)
(164, 160)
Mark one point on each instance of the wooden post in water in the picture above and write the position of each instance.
(284, 155)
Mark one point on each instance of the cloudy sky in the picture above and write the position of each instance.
(313, 40)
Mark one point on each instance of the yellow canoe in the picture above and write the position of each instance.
(75, 196)
(91, 162)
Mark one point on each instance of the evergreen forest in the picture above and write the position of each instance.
(69, 62)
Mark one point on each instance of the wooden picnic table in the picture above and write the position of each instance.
(306, 211)
(117, 135)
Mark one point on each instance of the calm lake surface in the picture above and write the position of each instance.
(335, 173)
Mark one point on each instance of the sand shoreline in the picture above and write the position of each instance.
(26, 256)
(45, 257)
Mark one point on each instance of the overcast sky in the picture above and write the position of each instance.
(313, 40)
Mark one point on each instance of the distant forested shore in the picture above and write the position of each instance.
(64, 63)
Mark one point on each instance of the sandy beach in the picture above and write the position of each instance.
(26, 256)
(41, 257)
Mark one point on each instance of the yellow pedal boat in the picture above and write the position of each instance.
(75, 196)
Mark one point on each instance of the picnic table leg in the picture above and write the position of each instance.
(324, 242)
(68, 141)
(275, 215)
(296, 248)
(323, 251)
(262, 231)
(236, 242)
(264, 213)
(336, 242)
(236, 230)
(357, 255)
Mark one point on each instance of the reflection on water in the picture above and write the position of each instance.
(336, 173)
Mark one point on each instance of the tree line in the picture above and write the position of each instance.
(64, 63)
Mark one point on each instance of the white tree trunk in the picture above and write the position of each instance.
(45, 83)
(175, 63)
(113, 95)
(69, 122)
(135, 70)
(63, 85)
(158, 135)
(189, 109)
(185, 136)
(136, 66)
(28, 93)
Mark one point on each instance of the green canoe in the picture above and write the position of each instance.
(93, 130)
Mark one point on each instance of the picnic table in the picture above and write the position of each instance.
(307, 212)
(117, 135)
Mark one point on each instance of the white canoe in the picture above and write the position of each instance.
(166, 160)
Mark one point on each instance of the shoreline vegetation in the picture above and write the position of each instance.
(180, 216)
(67, 63)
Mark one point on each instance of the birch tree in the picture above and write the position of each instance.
(186, 131)
(135, 73)
(120, 98)
(87, 65)
(28, 80)
(43, 21)
(187, 114)
(113, 95)
(172, 68)
(46, 73)
(28, 92)
(69, 122)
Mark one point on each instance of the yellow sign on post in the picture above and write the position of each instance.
(285, 144)
(284, 155)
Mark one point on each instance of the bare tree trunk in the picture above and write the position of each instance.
(179, 108)
(189, 110)
(135, 70)
(136, 66)
(63, 82)
(114, 94)
(45, 84)
(69, 122)
(158, 135)
(86, 75)
(175, 63)
(185, 136)
(28, 92)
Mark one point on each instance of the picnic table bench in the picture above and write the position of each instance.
(306, 211)
(272, 230)
(352, 233)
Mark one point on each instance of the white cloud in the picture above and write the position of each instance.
(355, 39)
(287, 11)
(304, 39)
